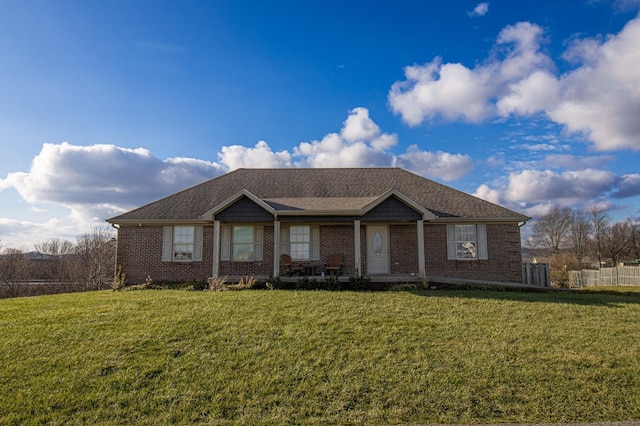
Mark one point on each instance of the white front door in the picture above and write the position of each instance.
(377, 250)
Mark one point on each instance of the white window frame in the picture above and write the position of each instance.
(182, 243)
(290, 242)
(467, 242)
(248, 247)
(300, 242)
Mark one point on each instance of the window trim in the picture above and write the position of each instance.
(227, 242)
(302, 242)
(314, 241)
(480, 242)
(169, 244)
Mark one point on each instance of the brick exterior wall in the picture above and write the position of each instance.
(503, 246)
(140, 254)
(338, 239)
(403, 250)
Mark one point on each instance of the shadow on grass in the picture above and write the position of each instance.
(574, 297)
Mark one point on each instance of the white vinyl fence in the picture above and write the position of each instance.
(621, 275)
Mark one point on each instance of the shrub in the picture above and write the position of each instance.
(304, 283)
(359, 282)
(405, 287)
(216, 284)
(332, 283)
(247, 282)
(200, 285)
(274, 283)
(148, 282)
(120, 280)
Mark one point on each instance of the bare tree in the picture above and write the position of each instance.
(14, 266)
(599, 222)
(635, 238)
(616, 242)
(96, 250)
(579, 234)
(59, 257)
(550, 232)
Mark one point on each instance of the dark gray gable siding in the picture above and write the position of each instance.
(392, 210)
(244, 210)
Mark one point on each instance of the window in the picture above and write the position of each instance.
(300, 242)
(466, 242)
(241, 243)
(182, 243)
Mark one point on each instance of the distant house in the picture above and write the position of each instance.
(380, 221)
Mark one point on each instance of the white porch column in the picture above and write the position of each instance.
(357, 254)
(276, 248)
(216, 249)
(421, 261)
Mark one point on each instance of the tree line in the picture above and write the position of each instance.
(90, 260)
(575, 239)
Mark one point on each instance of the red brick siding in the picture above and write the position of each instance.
(338, 239)
(403, 250)
(503, 246)
(140, 254)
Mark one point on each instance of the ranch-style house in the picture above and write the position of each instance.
(384, 222)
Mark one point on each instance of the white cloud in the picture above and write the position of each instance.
(488, 194)
(99, 180)
(21, 234)
(238, 156)
(534, 192)
(480, 10)
(629, 186)
(96, 182)
(599, 99)
(455, 92)
(360, 143)
(435, 165)
(565, 188)
(359, 127)
(449, 91)
(568, 161)
(530, 95)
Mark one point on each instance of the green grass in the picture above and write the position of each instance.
(276, 357)
(621, 289)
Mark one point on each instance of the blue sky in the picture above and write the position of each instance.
(107, 105)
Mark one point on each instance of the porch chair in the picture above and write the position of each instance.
(288, 267)
(335, 265)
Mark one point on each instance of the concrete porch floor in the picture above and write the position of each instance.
(433, 282)
(342, 278)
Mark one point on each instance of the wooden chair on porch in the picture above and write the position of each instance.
(288, 267)
(334, 267)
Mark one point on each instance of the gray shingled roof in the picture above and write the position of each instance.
(310, 184)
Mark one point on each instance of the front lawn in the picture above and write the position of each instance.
(314, 357)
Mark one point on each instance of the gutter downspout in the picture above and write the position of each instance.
(115, 260)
